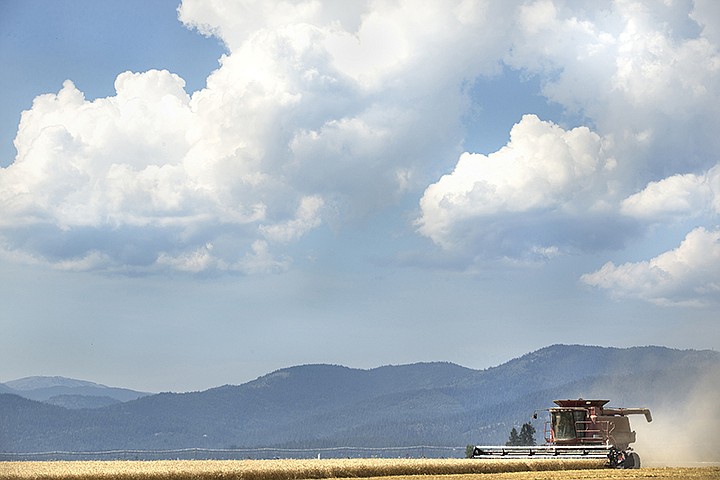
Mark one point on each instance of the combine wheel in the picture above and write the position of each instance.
(623, 459)
(632, 460)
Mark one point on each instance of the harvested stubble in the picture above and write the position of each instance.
(275, 469)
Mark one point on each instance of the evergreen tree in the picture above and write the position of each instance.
(469, 451)
(514, 438)
(527, 434)
(526, 437)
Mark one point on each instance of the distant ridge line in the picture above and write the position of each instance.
(343, 412)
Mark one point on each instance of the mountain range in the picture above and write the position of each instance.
(316, 406)
(69, 392)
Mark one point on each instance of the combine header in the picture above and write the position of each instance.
(580, 429)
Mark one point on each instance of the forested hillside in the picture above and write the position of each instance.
(326, 405)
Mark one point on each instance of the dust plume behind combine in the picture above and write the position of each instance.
(686, 433)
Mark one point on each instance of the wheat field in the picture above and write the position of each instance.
(276, 469)
(399, 469)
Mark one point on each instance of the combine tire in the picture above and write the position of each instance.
(632, 460)
(620, 459)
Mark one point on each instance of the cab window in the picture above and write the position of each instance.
(564, 425)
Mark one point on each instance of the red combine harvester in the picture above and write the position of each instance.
(580, 429)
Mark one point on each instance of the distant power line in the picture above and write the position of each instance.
(416, 451)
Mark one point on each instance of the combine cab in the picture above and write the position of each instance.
(580, 429)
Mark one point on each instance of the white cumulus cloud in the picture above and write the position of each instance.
(325, 108)
(644, 79)
(678, 196)
(133, 182)
(313, 106)
(687, 275)
(544, 174)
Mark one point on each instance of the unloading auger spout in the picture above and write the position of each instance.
(580, 429)
(629, 411)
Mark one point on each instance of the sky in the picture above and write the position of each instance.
(195, 194)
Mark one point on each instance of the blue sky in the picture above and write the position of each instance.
(199, 194)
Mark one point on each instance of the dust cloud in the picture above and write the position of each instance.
(684, 434)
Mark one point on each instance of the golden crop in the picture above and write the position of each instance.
(275, 469)
(460, 469)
